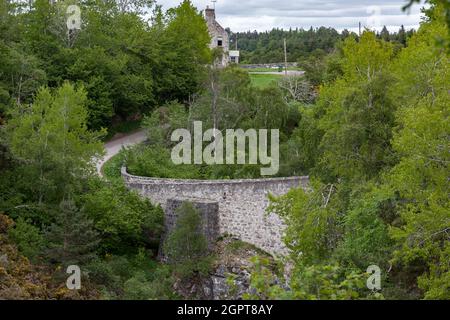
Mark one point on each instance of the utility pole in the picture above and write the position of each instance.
(360, 29)
(285, 58)
(214, 4)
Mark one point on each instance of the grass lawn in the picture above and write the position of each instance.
(264, 80)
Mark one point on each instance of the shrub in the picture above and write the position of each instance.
(28, 238)
(186, 247)
(125, 220)
(155, 161)
(160, 287)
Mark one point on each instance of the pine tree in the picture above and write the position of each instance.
(72, 239)
(402, 35)
(385, 34)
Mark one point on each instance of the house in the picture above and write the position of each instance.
(220, 39)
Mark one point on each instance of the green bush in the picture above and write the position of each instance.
(107, 279)
(134, 277)
(138, 288)
(28, 238)
(155, 161)
(125, 220)
(160, 287)
(112, 168)
(186, 247)
(314, 282)
(367, 241)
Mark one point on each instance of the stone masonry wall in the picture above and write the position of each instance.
(242, 203)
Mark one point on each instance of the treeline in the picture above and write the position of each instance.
(268, 47)
(127, 65)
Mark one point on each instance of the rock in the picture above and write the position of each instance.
(220, 271)
(233, 261)
(4, 261)
(207, 291)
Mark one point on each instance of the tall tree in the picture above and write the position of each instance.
(359, 113)
(185, 43)
(186, 246)
(72, 239)
(50, 137)
(421, 176)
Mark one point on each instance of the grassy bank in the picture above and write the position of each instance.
(264, 80)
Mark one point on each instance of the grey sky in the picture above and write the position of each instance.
(261, 15)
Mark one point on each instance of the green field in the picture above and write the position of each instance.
(270, 69)
(264, 80)
(264, 70)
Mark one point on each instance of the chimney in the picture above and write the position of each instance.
(210, 14)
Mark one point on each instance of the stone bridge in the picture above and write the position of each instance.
(240, 205)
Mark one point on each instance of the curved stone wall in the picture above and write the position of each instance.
(242, 203)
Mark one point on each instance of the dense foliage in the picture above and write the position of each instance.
(228, 100)
(368, 123)
(58, 91)
(126, 64)
(379, 194)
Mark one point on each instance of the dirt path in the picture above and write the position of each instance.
(114, 146)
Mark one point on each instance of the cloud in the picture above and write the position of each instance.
(261, 15)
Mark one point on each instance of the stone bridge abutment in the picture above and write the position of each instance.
(241, 204)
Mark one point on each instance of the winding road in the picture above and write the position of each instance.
(114, 146)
